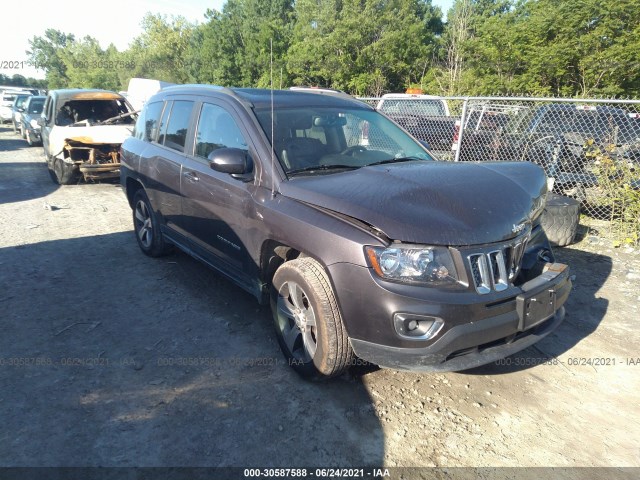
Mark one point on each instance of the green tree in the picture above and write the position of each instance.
(540, 47)
(88, 66)
(18, 80)
(364, 46)
(234, 46)
(160, 51)
(44, 53)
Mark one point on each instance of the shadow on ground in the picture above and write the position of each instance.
(123, 360)
(584, 312)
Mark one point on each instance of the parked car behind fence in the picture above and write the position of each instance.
(569, 138)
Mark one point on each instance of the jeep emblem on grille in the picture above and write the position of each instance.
(518, 228)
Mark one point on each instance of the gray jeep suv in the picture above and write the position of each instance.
(363, 245)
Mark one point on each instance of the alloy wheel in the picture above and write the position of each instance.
(144, 226)
(297, 321)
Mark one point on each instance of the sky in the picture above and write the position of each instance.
(115, 21)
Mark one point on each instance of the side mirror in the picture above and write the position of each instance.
(42, 121)
(425, 144)
(20, 109)
(233, 161)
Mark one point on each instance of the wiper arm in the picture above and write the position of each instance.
(321, 168)
(394, 160)
(117, 117)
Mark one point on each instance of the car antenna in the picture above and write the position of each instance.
(273, 154)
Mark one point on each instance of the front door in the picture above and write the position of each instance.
(217, 208)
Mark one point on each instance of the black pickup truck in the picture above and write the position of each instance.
(557, 137)
(426, 117)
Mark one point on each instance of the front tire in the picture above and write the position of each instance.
(307, 320)
(147, 228)
(65, 174)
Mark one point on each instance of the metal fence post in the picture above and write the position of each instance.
(463, 119)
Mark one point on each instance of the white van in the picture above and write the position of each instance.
(141, 89)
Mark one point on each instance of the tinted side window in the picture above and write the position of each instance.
(217, 129)
(148, 122)
(176, 134)
(162, 128)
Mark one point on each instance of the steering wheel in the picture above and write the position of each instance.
(353, 149)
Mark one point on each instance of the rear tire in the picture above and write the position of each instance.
(307, 320)
(560, 219)
(147, 228)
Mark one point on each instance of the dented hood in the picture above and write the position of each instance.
(435, 203)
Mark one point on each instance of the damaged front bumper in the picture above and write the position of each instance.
(475, 333)
(94, 160)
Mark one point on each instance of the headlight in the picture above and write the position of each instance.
(538, 206)
(413, 264)
(34, 123)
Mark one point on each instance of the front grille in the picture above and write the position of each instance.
(496, 269)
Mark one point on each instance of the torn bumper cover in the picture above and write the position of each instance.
(94, 160)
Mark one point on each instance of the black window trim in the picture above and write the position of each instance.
(154, 140)
(188, 143)
(236, 118)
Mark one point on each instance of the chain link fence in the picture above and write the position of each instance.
(589, 149)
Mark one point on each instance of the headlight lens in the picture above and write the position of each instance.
(34, 123)
(538, 206)
(413, 264)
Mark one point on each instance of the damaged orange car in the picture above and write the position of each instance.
(82, 131)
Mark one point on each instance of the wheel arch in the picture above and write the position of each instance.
(273, 254)
(132, 185)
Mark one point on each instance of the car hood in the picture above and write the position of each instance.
(435, 203)
(97, 133)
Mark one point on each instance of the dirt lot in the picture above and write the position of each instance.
(110, 358)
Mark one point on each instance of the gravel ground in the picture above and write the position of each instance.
(110, 358)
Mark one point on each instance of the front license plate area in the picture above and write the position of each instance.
(533, 309)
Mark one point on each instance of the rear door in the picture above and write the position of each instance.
(161, 164)
(219, 209)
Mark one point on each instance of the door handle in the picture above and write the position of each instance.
(191, 176)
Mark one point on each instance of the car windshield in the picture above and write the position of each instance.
(319, 140)
(21, 100)
(35, 106)
(93, 111)
(7, 99)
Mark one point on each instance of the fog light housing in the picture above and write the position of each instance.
(416, 327)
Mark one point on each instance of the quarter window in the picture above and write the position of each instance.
(148, 122)
(176, 132)
(49, 110)
(217, 129)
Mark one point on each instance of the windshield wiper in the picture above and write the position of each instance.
(394, 160)
(321, 168)
(117, 117)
